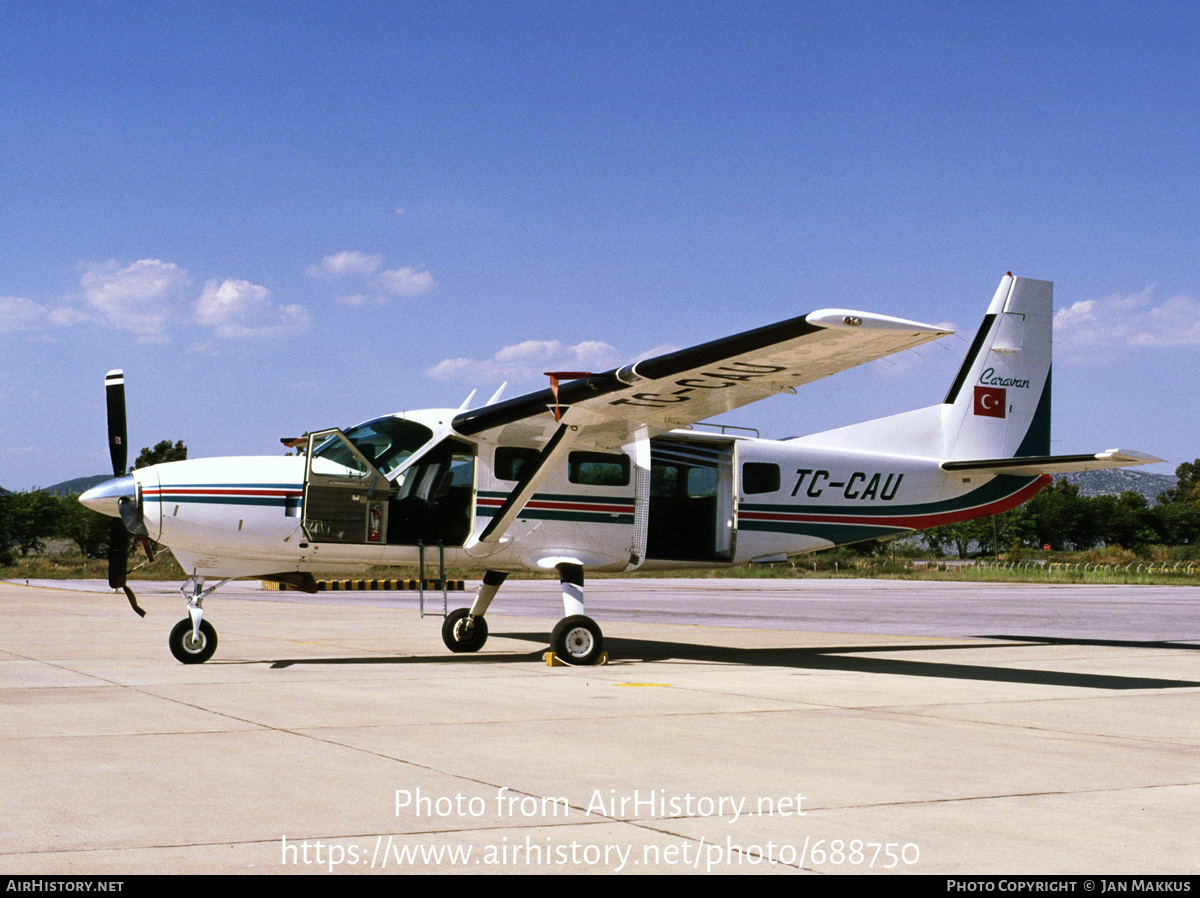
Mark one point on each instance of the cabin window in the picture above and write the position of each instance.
(683, 481)
(760, 477)
(511, 461)
(664, 481)
(701, 483)
(598, 468)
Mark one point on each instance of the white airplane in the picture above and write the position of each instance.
(604, 472)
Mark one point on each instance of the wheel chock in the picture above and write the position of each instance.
(552, 660)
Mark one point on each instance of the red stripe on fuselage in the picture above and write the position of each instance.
(545, 505)
(912, 522)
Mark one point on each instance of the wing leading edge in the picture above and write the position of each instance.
(614, 407)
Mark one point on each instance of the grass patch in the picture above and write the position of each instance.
(1114, 567)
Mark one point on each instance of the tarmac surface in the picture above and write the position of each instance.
(740, 727)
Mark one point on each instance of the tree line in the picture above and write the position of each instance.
(1057, 517)
(29, 520)
(1060, 519)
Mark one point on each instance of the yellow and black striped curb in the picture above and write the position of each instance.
(382, 585)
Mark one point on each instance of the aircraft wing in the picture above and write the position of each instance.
(613, 408)
(1033, 466)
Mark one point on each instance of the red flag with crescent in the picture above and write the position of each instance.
(991, 402)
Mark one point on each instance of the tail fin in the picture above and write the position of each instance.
(999, 404)
(996, 417)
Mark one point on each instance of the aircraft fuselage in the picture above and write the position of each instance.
(706, 500)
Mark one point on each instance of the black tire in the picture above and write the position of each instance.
(462, 635)
(577, 640)
(185, 650)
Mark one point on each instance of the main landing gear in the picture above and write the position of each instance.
(576, 638)
(194, 640)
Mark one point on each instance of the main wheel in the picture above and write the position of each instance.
(190, 651)
(577, 640)
(463, 633)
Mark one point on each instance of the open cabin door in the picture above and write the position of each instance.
(433, 497)
(345, 496)
(427, 495)
(691, 500)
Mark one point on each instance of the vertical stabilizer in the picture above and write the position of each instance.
(999, 404)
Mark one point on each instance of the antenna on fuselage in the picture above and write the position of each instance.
(496, 396)
(467, 401)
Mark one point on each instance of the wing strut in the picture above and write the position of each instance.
(553, 452)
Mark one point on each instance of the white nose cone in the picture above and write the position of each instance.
(104, 497)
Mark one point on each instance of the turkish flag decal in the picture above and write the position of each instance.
(990, 402)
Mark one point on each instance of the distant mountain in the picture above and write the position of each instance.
(1115, 481)
(76, 486)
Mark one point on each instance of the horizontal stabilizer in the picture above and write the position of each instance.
(1033, 466)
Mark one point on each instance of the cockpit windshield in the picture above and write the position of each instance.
(386, 442)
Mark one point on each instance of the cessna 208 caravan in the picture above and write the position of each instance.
(603, 472)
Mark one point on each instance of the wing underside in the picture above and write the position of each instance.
(691, 385)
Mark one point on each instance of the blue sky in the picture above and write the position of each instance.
(278, 217)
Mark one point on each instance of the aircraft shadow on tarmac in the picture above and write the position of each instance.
(832, 658)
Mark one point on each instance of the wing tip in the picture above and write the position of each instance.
(850, 319)
(1129, 457)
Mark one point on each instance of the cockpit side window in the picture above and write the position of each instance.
(387, 442)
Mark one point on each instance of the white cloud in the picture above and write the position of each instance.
(1099, 329)
(664, 349)
(141, 297)
(66, 316)
(20, 314)
(404, 282)
(240, 309)
(345, 264)
(1175, 323)
(529, 360)
(377, 286)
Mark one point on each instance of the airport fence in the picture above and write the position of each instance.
(1065, 570)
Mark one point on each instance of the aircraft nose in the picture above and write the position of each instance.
(105, 497)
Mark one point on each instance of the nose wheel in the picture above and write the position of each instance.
(194, 640)
(463, 633)
(192, 647)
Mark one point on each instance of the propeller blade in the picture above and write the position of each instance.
(130, 520)
(118, 560)
(118, 553)
(114, 389)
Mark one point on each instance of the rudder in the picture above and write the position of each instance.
(999, 403)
